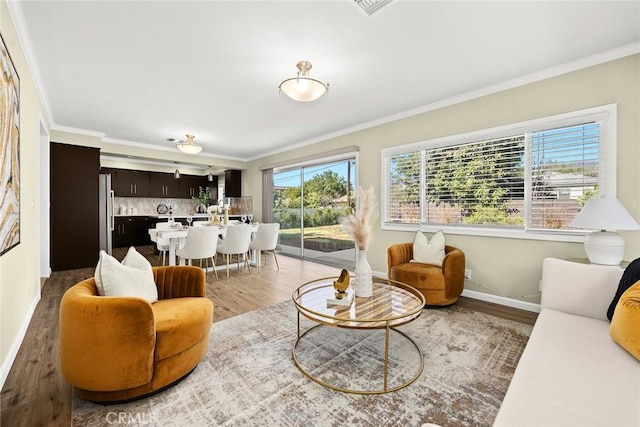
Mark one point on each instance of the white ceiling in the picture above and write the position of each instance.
(145, 71)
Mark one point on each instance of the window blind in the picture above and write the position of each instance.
(404, 184)
(477, 183)
(566, 171)
(532, 176)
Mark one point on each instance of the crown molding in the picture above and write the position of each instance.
(126, 143)
(167, 149)
(17, 17)
(78, 131)
(589, 61)
(157, 162)
(135, 144)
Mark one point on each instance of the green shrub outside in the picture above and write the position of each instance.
(318, 218)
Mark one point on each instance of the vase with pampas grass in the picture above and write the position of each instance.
(358, 226)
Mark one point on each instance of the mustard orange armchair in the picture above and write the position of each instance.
(440, 286)
(115, 349)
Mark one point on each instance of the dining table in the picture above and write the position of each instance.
(176, 234)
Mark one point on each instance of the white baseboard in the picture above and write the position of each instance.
(13, 351)
(497, 299)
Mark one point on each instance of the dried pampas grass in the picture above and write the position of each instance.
(358, 225)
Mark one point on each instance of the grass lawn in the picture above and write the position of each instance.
(327, 238)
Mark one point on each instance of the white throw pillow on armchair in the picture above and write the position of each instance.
(134, 277)
(429, 252)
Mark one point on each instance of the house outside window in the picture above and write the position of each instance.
(525, 180)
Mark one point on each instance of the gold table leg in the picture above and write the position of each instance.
(386, 354)
(385, 388)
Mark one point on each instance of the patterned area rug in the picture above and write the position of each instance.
(248, 377)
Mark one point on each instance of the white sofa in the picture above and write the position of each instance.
(571, 372)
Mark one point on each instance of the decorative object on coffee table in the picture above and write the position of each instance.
(358, 226)
(344, 293)
(364, 287)
(342, 284)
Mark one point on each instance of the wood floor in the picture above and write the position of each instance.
(35, 393)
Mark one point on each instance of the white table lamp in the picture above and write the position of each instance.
(605, 246)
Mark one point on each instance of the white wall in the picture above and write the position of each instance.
(20, 267)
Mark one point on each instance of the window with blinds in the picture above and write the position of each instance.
(479, 183)
(532, 176)
(565, 173)
(403, 188)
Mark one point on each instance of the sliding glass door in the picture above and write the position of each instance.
(287, 208)
(308, 203)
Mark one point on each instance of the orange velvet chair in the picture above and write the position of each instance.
(440, 286)
(115, 349)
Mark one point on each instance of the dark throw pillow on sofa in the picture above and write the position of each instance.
(630, 276)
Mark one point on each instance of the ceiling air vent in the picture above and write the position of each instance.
(370, 6)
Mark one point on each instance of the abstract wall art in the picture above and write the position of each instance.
(9, 152)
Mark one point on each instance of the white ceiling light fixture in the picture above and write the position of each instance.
(189, 146)
(176, 174)
(210, 175)
(302, 87)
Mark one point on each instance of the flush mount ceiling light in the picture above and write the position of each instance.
(189, 146)
(302, 87)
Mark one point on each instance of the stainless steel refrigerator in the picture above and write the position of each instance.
(107, 220)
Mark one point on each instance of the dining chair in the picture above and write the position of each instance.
(236, 242)
(266, 240)
(201, 243)
(162, 244)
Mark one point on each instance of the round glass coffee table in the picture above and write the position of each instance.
(392, 304)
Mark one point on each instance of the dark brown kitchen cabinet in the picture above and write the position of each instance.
(74, 212)
(233, 183)
(120, 239)
(132, 231)
(213, 188)
(164, 185)
(190, 185)
(135, 183)
(130, 183)
(114, 176)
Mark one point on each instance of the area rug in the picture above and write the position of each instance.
(248, 377)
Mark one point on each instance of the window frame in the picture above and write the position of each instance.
(605, 114)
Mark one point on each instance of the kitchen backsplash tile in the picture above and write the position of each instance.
(149, 206)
